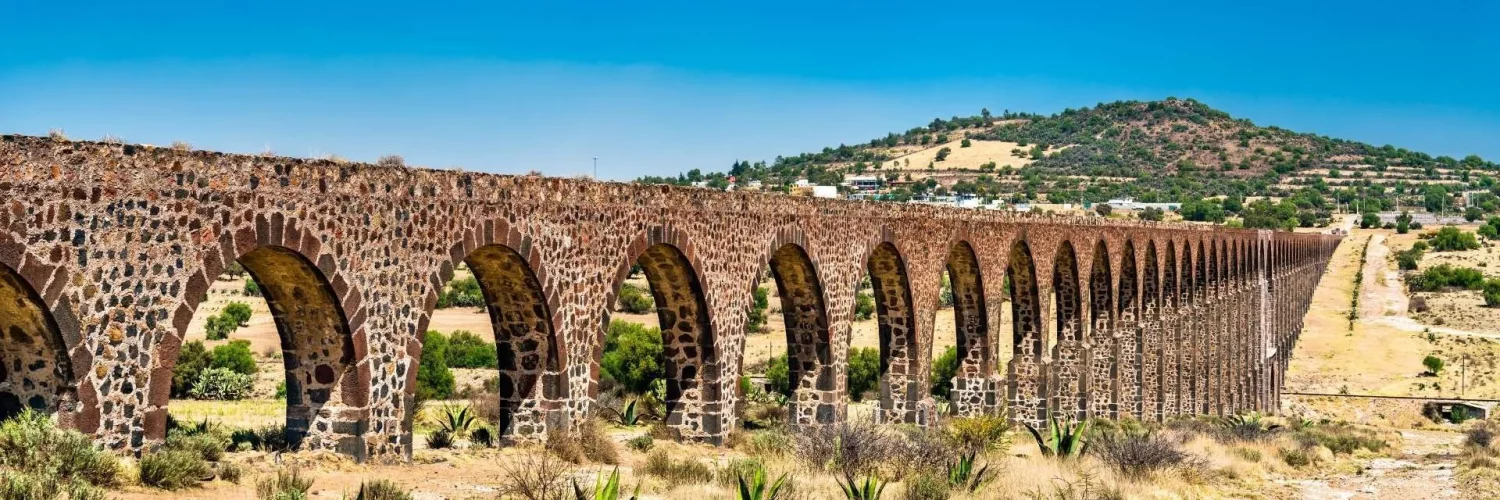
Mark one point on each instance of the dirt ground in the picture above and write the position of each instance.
(1422, 469)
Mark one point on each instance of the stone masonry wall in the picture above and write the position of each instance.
(107, 249)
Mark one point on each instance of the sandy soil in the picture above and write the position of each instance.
(1422, 470)
(978, 153)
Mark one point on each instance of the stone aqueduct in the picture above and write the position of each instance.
(106, 250)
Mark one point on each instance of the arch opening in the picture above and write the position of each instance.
(1070, 398)
(35, 371)
(525, 342)
(1102, 368)
(971, 323)
(809, 350)
(900, 384)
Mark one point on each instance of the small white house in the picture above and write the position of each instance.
(825, 191)
(863, 182)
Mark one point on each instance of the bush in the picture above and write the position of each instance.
(864, 306)
(239, 312)
(635, 300)
(1137, 456)
(1451, 239)
(381, 489)
(676, 472)
(1407, 260)
(1340, 439)
(1296, 457)
(218, 327)
(981, 433)
(231, 472)
(632, 355)
(760, 301)
(440, 439)
(852, 448)
(1444, 276)
(461, 293)
(234, 356)
(209, 445)
(942, 154)
(863, 372)
(252, 289)
(222, 385)
(587, 443)
(1434, 364)
(287, 484)
(173, 469)
(467, 350)
(944, 368)
(534, 476)
(926, 487)
(641, 443)
(1492, 292)
(434, 379)
(1152, 214)
(191, 360)
(1480, 435)
(31, 446)
(778, 374)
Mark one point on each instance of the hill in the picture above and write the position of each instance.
(1173, 150)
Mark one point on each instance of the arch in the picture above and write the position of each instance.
(35, 371)
(1025, 382)
(526, 340)
(1126, 379)
(969, 315)
(809, 349)
(1102, 369)
(900, 384)
(1172, 345)
(688, 360)
(1069, 399)
(1151, 378)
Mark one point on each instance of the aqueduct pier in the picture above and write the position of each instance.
(107, 249)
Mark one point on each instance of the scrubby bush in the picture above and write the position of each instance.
(1407, 260)
(192, 358)
(534, 476)
(209, 444)
(587, 443)
(34, 450)
(1340, 438)
(676, 472)
(287, 484)
(440, 439)
(852, 448)
(222, 385)
(1451, 239)
(632, 355)
(434, 378)
(944, 368)
(462, 293)
(760, 301)
(252, 289)
(635, 300)
(218, 327)
(234, 356)
(239, 312)
(778, 375)
(1434, 365)
(1443, 276)
(467, 350)
(981, 433)
(173, 469)
(926, 487)
(1137, 456)
(381, 489)
(641, 443)
(864, 306)
(863, 372)
(1152, 214)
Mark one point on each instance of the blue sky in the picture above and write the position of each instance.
(659, 89)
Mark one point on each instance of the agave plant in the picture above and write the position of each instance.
(871, 489)
(962, 474)
(604, 488)
(1063, 439)
(628, 417)
(457, 420)
(757, 489)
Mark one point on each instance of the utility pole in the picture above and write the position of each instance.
(1463, 375)
(596, 168)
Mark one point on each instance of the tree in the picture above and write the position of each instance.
(1473, 213)
(942, 154)
(632, 355)
(1203, 211)
(434, 379)
(1434, 364)
(944, 368)
(863, 372)
(778, 375)
(864, 306)
(191, 360)
(234, 356)
(1369, 220)
(240, 312)
(1492, 292)
(635, 300)
(1152, 214)
(1103, 209)
(756, 320)
(1451, 239)
(467, 350)
(1403, 223)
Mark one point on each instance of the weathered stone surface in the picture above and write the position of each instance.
(106, 250)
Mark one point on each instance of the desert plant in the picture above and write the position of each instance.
(1136, 456)
(31, 446)
(230, 471)
(635, 300)
(286, 484)
(173, 469)
(457, 420)
(534, 476)
(1481, 434)
(605, 488)
(962, 474)
(676, 472)
(222, 384)
(756, 487)
(209, 445)
(870, 489)
(980, 433)
(1063, 439)
(853, 448)
(1250, 426)
(1434, 365)
(440, 439)
(628, 416)
(381, 489)
(641, 443)
(482, 437)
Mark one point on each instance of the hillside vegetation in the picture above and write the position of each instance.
(1173, 150)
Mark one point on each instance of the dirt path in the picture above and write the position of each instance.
(1383, 300)
(1422, 470)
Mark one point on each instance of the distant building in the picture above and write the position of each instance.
(863, 182)
(1131, 204)
(825, 191)
(802, 183)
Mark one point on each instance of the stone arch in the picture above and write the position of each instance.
(35, 371)
(1203, 341)
(526, 339)
(1151, 377)
(1172, 345)
(969, 315)
(901, 386)
(1102, 368)
(690, 365)
(1026, 383)
(320, 319)
(1126, 388)
(1068, 327)
(809, 348)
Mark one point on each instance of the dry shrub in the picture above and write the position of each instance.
(535, 476)
(917, 452)
(1417, 305)
(174, 469)
(1137, 456)
(596, 444)
(1086, 487)
(287, 484)
(1341, 438)
(769, 443)
(565, 445)
(1480, 434)
(980, 434)
(676, 472)
(855, 449)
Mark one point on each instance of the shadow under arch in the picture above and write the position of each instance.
(1068, 400)
(1025, 382)
(526, 341)
(689, 365)
(810, 370)
(969, 316)
(898, 335)
(1175, 394)
(35, 371)
(1100, 385)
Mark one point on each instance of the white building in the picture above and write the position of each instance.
(825, 191)
(863, 182)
